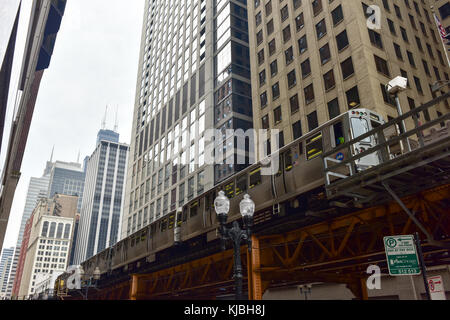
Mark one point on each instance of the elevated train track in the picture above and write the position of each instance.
(334, 240)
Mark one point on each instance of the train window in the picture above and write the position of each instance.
(153, 229)
(241, 185)
(138, 239)
(360, 127)
(255, 178)
(171, 221)
(314, 146)
(194, 210)
(184, 214)
(164, 225)
(288, 161)
(229, 190)
(143, 236)
(338, 132)
(179, 216)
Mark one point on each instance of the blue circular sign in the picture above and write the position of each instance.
(340, 156)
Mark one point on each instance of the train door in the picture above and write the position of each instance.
(360, 124)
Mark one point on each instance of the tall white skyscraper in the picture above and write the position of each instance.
(194, 76)
(101, 209)
(5, 269)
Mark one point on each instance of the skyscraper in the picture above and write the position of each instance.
(313, 60)
(50, 238)
(194, 75)
(5, 268)
(37, 189)
(104, 190)
(67, 178)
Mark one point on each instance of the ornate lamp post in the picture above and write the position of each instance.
(91, 284)
(235, 233)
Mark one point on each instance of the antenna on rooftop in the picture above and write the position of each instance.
(116, 124)
(104, 119)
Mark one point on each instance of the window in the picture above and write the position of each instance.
(309, 94)
(306, 68)
(411, 59)
(381, 65)
(287, 33)
(272, 47)
(337, 15)
(261, 56)
(391, 27)
(275, 91)
(297, 130)
(375, 38)
(321, 29)
(353, 98)
(289, 55)
(317, 7)
(418, 85)
(425, 67)
(292, 80)
(419, 44)
(294, 103)
(302, 44)
(325, 54)
(328, 79)
(268, 8)
(347, 68)
(258, 18)
(314, 146)
(273, 68)
(277, 115)
(398, 51)
(265, 122)
(299, 22)
(270, 27)
(333, 108)
(342, 40)
(284, 13)
(263, 99)
(397, 12)
(262, 78)
(404, 34)
(386, 96)
(259, 37)
(312, 121)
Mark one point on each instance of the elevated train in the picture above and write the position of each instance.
(296, 188)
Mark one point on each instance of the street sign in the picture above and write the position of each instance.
(436, 286)
(401, 255)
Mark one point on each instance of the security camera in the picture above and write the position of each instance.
(397, 84)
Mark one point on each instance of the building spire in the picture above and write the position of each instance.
(78, 158)
(104, 119)
(51, 156)
(116, 124)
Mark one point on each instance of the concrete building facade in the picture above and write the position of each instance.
(102, 206)
(194, 75)
(37, 189)
(50, 240)
(313, 60)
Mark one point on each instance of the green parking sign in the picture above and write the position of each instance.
(401, 255)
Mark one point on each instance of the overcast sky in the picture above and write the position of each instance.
(94, 64)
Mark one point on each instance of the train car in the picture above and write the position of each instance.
(300, 171)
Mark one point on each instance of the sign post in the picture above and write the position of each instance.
(422, 265)
(401, 256)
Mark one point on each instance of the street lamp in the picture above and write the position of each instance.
(396, 85)
(95, 276)
(235, 233)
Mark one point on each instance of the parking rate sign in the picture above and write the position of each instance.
(401, 255)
